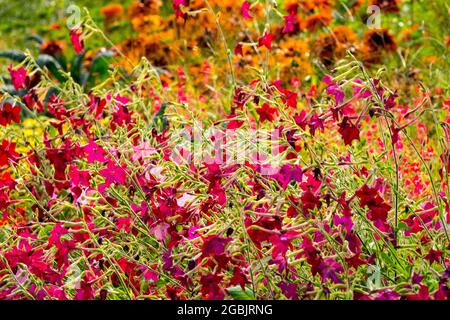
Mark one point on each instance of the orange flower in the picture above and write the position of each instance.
(310, 6)
(332, 46)
(379, 39)
(55, 26)
(112, 11)
(144, 7)
(317, 20)
(52, 47)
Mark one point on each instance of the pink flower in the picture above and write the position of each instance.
(176, 4)
(142, 151)
(334, 89)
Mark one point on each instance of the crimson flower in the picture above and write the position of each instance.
(9, 113)
(423, 294)
(310, 202)
(239, 277)
(266, 40)
(378, 209)
(210, 287)
(238, 50)
(434, 256)
(348, 131)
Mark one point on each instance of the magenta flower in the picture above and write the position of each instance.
(245, 10)
(94, 152)
(76, 39)
(289, 22)
(18, 77)
(288, 173)
(334, 89)
(113, 174)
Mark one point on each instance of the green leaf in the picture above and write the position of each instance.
(99, 66)
(76, 70)
(403, 226)
(35, 37)
(239, 294)
(14, 55)
(45, 60)
(160, 120)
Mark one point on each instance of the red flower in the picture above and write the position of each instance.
(245, 10)
(8, 114)
(75, 38)
(18, 77)
(267, 112)
(423, 294)
(266, 40)
(310, 202)
(7, 152)
(122, 114)
(96, 106)
(239, 277)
